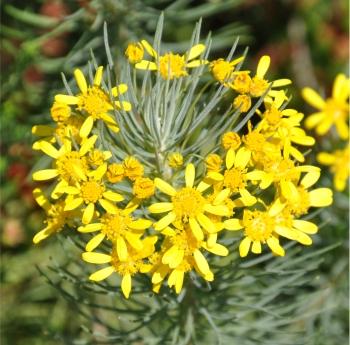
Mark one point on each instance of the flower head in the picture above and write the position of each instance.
(332, 111)
(171, 65)
(134, 52)
(175, 160)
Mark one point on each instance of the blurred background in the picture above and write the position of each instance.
(307, 40)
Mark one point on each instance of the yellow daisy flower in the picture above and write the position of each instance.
(133, 169)
(222, 70)
(175, 160)
(171, 65)
(134, 263)
(319, 197)
(134, 52)
(259, 84)
(89, 191)
(231, 140)
(65, 162)
(94, 102)
(120, 228)
(332, 111)
(236, 176)
(143, 188)
(115, 172)
(56, 216)
(188, 205)
(181, 254)
(213, 162)
(339, 162)
(284, 126)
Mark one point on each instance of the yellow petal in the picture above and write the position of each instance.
(68, 100)
(211, 240)
(219, 210)
(122, 250)
(338, 85)
(90, 227)
(202, 186)
(289, 191)
(314, 119)
(326, 158)
(215, 176)
(96, 258)
(134, 240)
(164, 186)
(321, 197)
(233, 224)
(246, 197)
(195, 51)
(222, 196)
(165, 221)
(149, 48)
(285, 232)
(276, 208)
(72, 204)
(160, 274)
(196, 63)
(275, 246)
(244, 247)
(161, 207)
(173, 257)
(179, 281)
(126, 285)
(98, 76)
(313, 98)
(41, 235)
(94, 242)
(256, 247)
(86, 127)
(310, 179)
(42, 131)
(43, 175)
(305, 226)
(206, 223)
(147, 65)
(119, 89)
(113, 196)
(102, 274)
(87, 144)
(140, 224)
(196, 229)
(230, 158)
(190, 175)
(88, 213)
(242, 158)
(41, 199)
(126, 106)
(201, 262)
(281, 82)
(108, 206)
(217, 249)
(303, 238)
(81, 81)
(263, 66)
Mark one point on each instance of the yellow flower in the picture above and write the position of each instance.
(339, 162)
(134, 52)
(283, 127)
(319, 197)
(175, 160)
(89, 191)
(133, 169)
(259, 228)
(259, 84)
(60, 112)
(213, 162)
(182, 253)
(188, 205)
(332, 111)
(143, 188)
(242, 102)
(236, 176)
(65, 162)
(241, 82)
(262, 227)
(231, 140)
(133, 264)
(97, 157)
(222, 70)
(285, 174)
(93, 102)
(171, 65)
(120, 228)
(56, 216)
(115, 172)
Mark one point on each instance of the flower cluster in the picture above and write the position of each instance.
(333, 113)
(141, 221)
